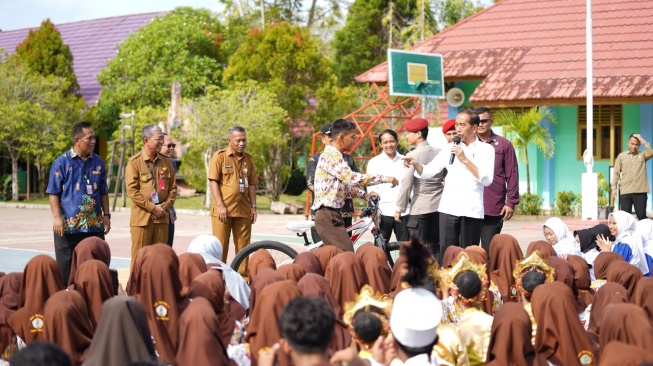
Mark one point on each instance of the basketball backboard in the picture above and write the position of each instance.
(406, 70)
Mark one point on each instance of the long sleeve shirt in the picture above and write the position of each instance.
(504, 190)
(463, 192)
(335, 181)
(426, 193)
(630, 171)
(394, 167)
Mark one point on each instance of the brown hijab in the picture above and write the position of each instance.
(9, 288)
(510, 338)
(644, 296)
(544, 247)
(564, 273)
(200, 341)
(41, 279)
(376, 267)
(87, 249)
(68, 325)
(560, 335)
(398, 270)
(626, 275)
(610, 293)
(93, 282)
(263, 328)
(324, 255)
(259, 260)
(603, 261)
(315, 285)
(263, 279)
(346, 276)
(191, 265)
(450, 255)
(309, 262)
(211, 286)
(582, 279)
(622, 354)
(122, 336)
(291, 272)
(154, 281)
(504, 254)
(626, 323)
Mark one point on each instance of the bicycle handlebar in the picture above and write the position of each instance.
(373, 205)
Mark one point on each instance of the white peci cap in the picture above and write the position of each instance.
(415, 316)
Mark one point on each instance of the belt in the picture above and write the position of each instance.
(328, 208)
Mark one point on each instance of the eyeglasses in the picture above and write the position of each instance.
(171, 146)
(159, 139)
(485, 120)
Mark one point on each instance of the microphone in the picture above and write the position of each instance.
(456, 141)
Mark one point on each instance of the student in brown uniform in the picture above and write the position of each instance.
(150, 180)
(233, 183)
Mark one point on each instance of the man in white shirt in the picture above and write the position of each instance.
(469, 172)
(389, 162)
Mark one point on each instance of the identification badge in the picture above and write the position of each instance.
(241, 186)
(155, 197)
(162, 184)
(89, 189)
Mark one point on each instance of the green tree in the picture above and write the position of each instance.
(524, 129)
(184, 45)
(286, 60)
(45, 52)
(453, 11)
(35, 114)
(248, 105)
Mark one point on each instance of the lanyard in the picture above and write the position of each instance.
(237, 167)
(147, 162)
(81, 166)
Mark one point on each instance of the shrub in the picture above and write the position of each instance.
(567, 203)
(529, 204)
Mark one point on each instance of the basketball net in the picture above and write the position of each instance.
(428, 89)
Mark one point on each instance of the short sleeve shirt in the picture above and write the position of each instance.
(230, 171)
(80, 184)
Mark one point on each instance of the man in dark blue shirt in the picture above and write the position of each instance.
(79, 197)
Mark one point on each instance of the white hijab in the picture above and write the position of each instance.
(626, 234)
(566, 243)
(210, 248)
(645, 229)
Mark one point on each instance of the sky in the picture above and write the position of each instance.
(18, 14)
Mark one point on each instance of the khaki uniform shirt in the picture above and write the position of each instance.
(143, 177)
(426, 192)
(630, 171)
(229, 171)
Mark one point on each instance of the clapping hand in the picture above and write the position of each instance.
(603, 243)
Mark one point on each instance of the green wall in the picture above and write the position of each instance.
(631, 124)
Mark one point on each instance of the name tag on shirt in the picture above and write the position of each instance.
(155, 197)
(89, 189)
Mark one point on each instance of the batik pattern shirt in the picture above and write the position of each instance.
(335, 181)
(80, 184)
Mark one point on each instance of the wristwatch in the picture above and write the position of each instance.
(107, 215)
(253, 206)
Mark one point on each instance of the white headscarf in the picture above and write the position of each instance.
(645, 229)
(627, 235)
(566, 243)
(210, 248)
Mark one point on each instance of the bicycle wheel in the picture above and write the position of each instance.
(280, 252)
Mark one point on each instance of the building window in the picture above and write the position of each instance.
(607, 131)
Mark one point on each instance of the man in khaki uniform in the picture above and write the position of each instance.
(150, 181)
(630, 176)
(233, 181)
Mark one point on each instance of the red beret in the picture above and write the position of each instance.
(416, 124)
(448, 126)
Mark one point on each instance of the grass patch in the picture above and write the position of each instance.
(189, 203)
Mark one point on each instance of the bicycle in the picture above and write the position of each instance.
(284, 253)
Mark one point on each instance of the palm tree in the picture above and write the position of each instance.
(523, 129)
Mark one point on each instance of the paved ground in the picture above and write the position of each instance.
(26, 232)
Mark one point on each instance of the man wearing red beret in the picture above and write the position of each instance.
(422, 221)
(449, 130)
(470, 171)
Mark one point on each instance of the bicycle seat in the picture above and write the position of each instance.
(300, 227)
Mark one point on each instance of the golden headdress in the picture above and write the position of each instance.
(367, 297)
(465, 265)
(533, 263)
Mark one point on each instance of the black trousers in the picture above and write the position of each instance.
(626, 202)
(458, 230)
(426, 228)
(387, 225)
(492, 226)
(171, 233)
(64, 247)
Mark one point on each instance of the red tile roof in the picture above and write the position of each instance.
(92, 42)
(528, 51)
